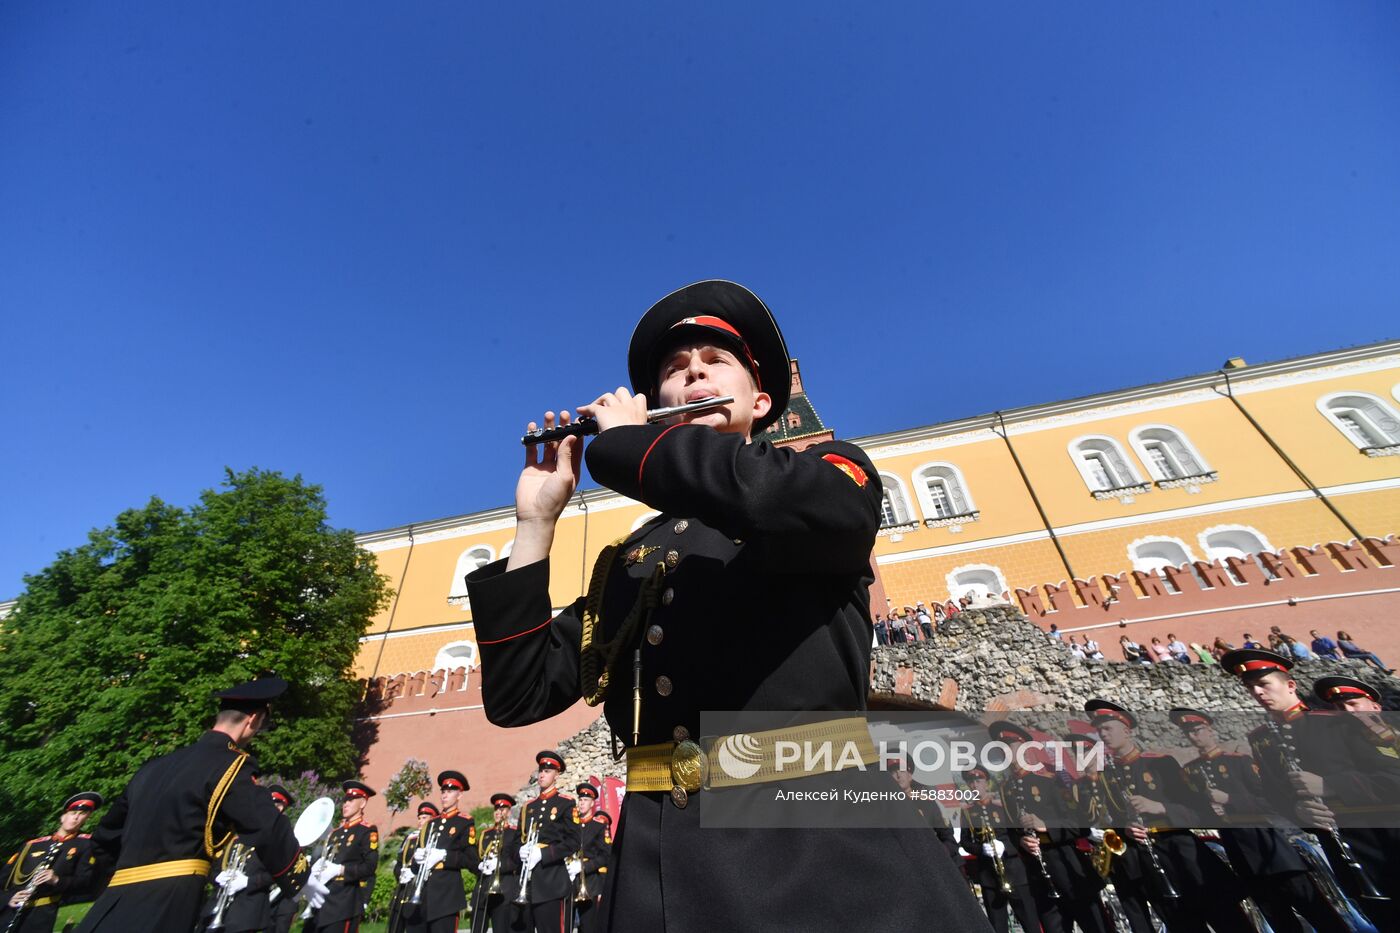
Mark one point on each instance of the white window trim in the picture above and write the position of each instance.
(643, 519)
(1135, 478)
(892, 482)
(453, 595)
(921, 489)
(1191, 557)
(1201, 538)
(1138, 442)
(473, 665)
(1324, 406)
(951, 579)
(1395, 391)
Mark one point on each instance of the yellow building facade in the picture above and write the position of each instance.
(1250, 459)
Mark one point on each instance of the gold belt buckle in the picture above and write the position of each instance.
(689, 768)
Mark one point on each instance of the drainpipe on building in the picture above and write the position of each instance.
(1297, 470)
(1044, 519)
(393, 608)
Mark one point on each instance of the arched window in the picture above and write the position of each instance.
(1168, 454)
(894, 508)
(1239, 541)
(1104, 465)
(1151, 555)
(455, 655)
(942, 491)
(982, 581)
(1366, 420)
(471, 559)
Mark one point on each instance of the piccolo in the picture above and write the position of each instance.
(587, 426)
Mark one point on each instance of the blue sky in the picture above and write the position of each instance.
(366, 242)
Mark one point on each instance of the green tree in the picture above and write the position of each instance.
(113, 650)
(411, 781)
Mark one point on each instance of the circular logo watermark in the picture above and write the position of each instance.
(740, 756)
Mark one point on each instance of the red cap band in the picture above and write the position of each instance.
(1112, 714)
(1347, 691)
(717, 323)
(451, 784)
(1263, 664)
(1195, 720)
(356, 792)
(277, 796)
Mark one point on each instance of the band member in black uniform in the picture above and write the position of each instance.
(1317, 766)
(999, 869)
(49, 871)
(1357, 696)
(549, 821)
(683, 621)
(1273, 872)
(446, 845)
(284, 909)
(404, 865)
(928, 812)
(498, 881)
(1189, 885)
(347, 868)
(595, 845)
(1039, 802)
(162, 831)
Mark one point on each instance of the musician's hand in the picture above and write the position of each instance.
(330, 871)
(18, 900)
(1028, 821)
(573, 867)
(44, 876)
(1313, 813)
(418, 854)
(237, 883)
(405, 875)
(550, 475)
(1217, 809)
(530, 856)
(1219, 796)
(613, 409)
(315, 891)
(1146, 806)
(1139, 832)
(1031, 844)
(1306, 783)
(488, 865)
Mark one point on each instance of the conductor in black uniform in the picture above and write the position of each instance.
(347, 868)
(550, 817)
(446, 845)
(50, 870)
(162, 831)
(498, 849)
(1316, 766)
(749, 591)
(595, 844)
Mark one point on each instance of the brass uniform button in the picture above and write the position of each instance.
(681, 526)
(667, 595)
(663, 685)
(673, 558)
(655, 634)
(738, 540)
(680, 734)
(679, 796)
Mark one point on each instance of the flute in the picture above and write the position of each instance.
(588, 426)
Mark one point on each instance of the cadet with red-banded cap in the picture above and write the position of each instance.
(1315, 766)
(50, 870)
(679, 618)
(550, 818)
(446, 845)
(404, 868)
(162, 832)
(347, 868)
(595, 845)
(999, 870)
(284, 909)
(498, 851)
(1357, 696)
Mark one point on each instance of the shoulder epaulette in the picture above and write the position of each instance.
(84, 835)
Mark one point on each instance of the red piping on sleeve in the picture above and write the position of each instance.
(497, 641)
(289, 865)
(643, 465)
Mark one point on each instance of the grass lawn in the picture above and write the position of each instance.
(76, 912)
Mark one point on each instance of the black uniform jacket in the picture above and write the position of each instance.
(185, 805)
(443, 893)
(1255, 850)
(1064, 848)
(507, 853)
(355, 847)
(1362, 783)
(70, 858)
(979, 825)
(763, 605)
(558, 838)
(595, 839)
(249, 908)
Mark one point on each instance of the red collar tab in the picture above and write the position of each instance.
(720, 324)
(446, 813)
(355, 822)
(1131, 757)
(549, 793)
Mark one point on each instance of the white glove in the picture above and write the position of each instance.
(993, 849)
(331, 870)
(488, 865)
(237, 883)
(418, 854)
(1096, 836)
(433, 856)
(317, 865)
(222, 878)
(315, 892)
(573, 867)
(405, 875)
(530, 856)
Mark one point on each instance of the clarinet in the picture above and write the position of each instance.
(1353, 867)
(1019, 799)
(46, 862)
(1161, 883)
